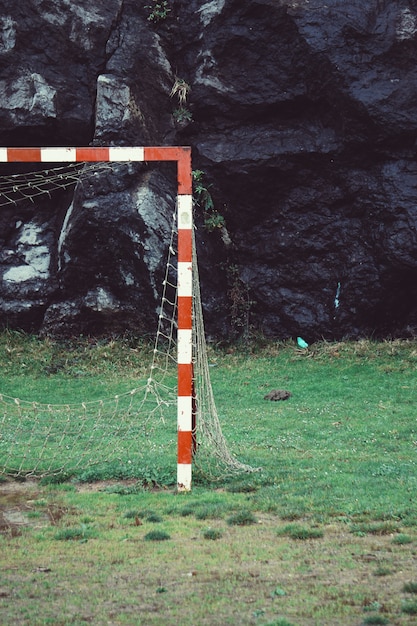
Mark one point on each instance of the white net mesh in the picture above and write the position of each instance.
(129, 434)
(18, 188)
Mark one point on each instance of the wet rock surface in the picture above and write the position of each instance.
(301, 117)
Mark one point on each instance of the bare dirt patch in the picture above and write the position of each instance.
(16, 502)
(18, 508)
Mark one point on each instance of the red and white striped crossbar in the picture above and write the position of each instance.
(182, 155)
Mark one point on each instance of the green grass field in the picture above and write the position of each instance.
(324, 534)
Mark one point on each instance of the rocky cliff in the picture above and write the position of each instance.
(302, 118)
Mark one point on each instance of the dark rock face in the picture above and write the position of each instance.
(302, 116)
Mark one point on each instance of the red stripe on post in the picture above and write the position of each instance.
(185, 312)
(185, 178)
(92, 154)
(29, 155)
(185, 447)
(185, 379)
(185, 245)
(162, 153)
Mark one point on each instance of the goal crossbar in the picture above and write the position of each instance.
(182, 157)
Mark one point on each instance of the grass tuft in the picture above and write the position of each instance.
(402, 539)
(212, 534)
(410, 608)
(242, 518)
(132, 514)
(298, 532)
(157, 535)
(75, 533)
(383, 571)
(209, 512)
(410, 587)
(375, 619)
(186, 511)
(375, 528)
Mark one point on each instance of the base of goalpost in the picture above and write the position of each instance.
(184, 477)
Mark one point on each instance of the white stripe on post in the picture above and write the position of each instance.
(184, 476)
(185, 408)
(185, 278)
(185, 211)
(185, 346)
(122, 153)
(58, 155)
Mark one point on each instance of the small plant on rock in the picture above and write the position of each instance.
(158, 10)
(181, 89)
(182, 115)
(213, 220)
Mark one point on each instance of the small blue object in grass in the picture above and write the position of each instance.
(301, 343)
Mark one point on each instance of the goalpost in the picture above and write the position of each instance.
(35, 437)
(182, 156)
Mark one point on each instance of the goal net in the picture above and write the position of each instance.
(169, 419)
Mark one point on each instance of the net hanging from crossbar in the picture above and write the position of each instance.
(18, 188)
(134, 432)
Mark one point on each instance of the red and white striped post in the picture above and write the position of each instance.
(185, 308)
(182, 155)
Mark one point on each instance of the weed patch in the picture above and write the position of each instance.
(410, 587)
(76, 533)
(157, 535)
(302, 533)
(410, 608)
(212, 534)
(375, 619)
(242, 518)
(402, 539)
(383, 570)
(375, 528)
(132, 514)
